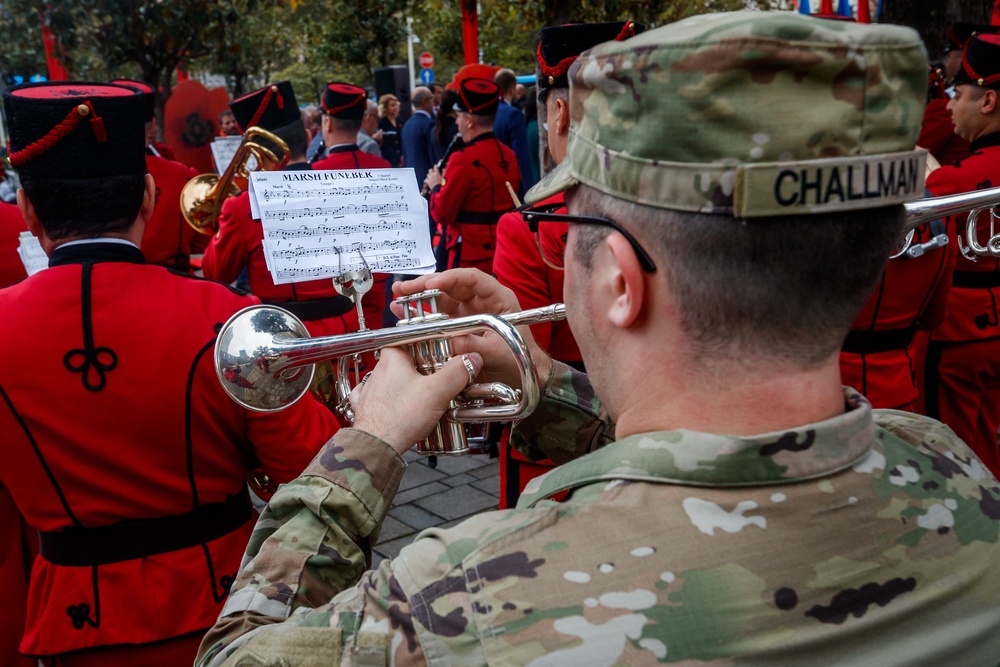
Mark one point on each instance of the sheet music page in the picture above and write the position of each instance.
(319, 224)
(224, 150)
(31, 254)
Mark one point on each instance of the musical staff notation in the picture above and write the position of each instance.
(270, 195)
(304, 231)
(365, 248)
(336, 211)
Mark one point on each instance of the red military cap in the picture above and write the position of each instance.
(343, 100)
(559, 46)
(980, 62)
(148, 94)
(478, 97)
(270, 107)
(76, 129)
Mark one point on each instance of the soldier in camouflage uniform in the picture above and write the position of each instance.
(728, 250)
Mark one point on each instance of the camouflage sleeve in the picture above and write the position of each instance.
(568, 423)
(313, 540)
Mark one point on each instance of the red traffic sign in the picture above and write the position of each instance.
(426, 60)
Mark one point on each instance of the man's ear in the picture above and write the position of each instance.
(628, 282)
(988, 102)
(148, 198)
(31, 219)
(28, 213)
(562, 117)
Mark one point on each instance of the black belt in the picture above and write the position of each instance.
(316, 309)
(138, 538)
(870, 342)
(464, 217)
(974, 279)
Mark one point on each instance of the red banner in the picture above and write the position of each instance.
(470, 32)
(864, 12)
(57, 72)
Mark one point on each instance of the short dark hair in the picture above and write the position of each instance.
(483, 121)
(784, 288)
(294, 134)
(505, 79)
(85, 207)
(345, 125)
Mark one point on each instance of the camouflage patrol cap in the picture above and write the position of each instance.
(749, 114)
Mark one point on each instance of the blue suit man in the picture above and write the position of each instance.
(418, 133)
(511, 128)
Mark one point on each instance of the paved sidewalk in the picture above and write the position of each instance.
(459, 487)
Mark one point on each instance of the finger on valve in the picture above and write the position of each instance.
(400, 406)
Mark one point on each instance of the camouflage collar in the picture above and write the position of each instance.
(702, 459)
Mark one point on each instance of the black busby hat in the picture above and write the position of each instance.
(480, 97)
(76, 129)
(960, 32)
(343, 100)
(271, 107)
(980, 62)
(559, 46)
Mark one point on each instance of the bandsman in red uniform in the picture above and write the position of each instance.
(962, 372)
(530, 263)
(473, 192)
(344, 106)
(119, 446)
(239, 241)
(879, 357)
(937, 132)
(168, 240)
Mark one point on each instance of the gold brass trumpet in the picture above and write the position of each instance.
(202, 196)
(265, 360)
(976, 202)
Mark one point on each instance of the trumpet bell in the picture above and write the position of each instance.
(250, 369)
(201, 210)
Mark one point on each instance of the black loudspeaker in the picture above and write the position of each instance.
(395, 80)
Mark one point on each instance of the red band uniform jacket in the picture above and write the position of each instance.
(878, 358)
(239, 243)
(168, 240)
(121, 448)
(962, 372)
(471, 199)
(518, 265)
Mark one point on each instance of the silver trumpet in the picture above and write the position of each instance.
(265, 360)
(924, 210)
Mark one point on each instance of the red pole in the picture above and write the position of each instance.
(470, 31)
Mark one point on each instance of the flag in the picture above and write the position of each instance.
(804, 7)
(826, 7)
(844, 8)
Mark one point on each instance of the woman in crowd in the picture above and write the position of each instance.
(388, 111)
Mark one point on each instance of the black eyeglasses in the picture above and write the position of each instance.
(552, 242)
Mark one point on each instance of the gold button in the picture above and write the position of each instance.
(979, 81)
(551, 80)
(83, 110)
(274, 89)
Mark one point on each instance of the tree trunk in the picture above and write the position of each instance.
(931, 18)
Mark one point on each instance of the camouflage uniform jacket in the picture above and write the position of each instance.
(857, 540)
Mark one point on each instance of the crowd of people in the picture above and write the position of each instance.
(768, 426)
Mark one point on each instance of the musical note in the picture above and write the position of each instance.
(325, 230)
